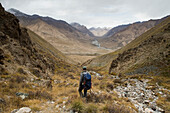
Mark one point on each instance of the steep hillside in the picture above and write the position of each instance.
(17, 48)
(82, 29)
(99, 32)
(156, 33)
(126, 34)
(47, 47)
(61, 35)
(149, 53)
(27, 64)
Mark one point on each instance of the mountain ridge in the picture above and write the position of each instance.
(62, 36)
(82, 29)
(127, 33)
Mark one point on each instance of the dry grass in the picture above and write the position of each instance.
(63, 89)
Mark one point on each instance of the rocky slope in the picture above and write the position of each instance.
(122, 35)
(99, 32)
(149, 56)
(82, 29)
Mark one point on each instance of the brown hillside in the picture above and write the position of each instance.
(103, 62)
(127, 34)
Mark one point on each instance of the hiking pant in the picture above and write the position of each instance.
(85, 90)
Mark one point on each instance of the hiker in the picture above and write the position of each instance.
(85, 82)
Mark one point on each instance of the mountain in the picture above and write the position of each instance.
(82, 29)
(126, 33)
(148, 53)
(21, 48)
(99, 32)
(61, 35)
(115, 30)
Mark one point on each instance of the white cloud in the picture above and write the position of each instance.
(97, 13)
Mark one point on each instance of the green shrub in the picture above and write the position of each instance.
(91, 108)
(77, 106)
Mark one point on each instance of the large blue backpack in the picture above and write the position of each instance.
(87, 79)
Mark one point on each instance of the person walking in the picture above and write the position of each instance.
(85, 82)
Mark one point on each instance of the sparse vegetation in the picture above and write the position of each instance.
(77, 106)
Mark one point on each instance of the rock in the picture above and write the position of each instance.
(111, 92)
(148, 110)
(57, 81)
(2, 101)
(153, 108)
(24, 110)
(32, 79)
(67, 84)
(161, 93)
(14, 111)
(64, 102)
(57, 106)
(146, 102)
(50, 102)
(65, 98)
(71, 111)
(97, 74)
(75, 85)
(160, 110)
(22, 95)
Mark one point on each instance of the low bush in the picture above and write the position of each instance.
(40, 95)
(91, 108)
(77, 106)
(113, 108)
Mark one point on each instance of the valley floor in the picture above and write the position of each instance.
(113, 94)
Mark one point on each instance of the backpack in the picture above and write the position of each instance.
(87, 79)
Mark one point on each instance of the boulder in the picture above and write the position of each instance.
(146, 102)
(24, 110)
(148, 110)
(14, 111)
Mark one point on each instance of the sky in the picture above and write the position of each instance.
(94, 13)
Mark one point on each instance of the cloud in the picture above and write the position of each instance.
(94, 13)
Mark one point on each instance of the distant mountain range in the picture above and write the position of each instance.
(68, 39)
(99, 32)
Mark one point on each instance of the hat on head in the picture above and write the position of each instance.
(84, 67)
